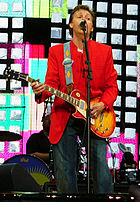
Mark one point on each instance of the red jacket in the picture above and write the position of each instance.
(103, 85)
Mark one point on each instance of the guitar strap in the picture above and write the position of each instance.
(68, 67)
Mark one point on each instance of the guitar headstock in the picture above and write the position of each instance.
(11, 74)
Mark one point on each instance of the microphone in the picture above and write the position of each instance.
(83, 23)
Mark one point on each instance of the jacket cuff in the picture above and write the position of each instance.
(38, 98)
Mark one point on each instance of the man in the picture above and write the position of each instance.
(64, 127)
(38, 144)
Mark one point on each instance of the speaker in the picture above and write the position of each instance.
(14, 177)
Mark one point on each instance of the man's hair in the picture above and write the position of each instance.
(77, 8)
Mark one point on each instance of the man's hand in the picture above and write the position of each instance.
(96, 109)
(37, 87)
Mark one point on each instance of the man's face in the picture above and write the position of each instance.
(78, 16)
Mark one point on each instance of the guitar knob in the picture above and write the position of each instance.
(104, 132)
(96, 128)
(101, 125)
(107, 128)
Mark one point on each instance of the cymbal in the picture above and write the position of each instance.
(9, 136)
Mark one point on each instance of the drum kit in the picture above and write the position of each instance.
(36, 167)
(9, 136)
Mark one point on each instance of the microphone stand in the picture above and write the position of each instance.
(88, 117)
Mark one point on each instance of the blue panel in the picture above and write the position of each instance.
(11, 4)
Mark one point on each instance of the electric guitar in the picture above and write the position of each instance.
(103, 126)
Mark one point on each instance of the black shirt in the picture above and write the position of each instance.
(38, 142)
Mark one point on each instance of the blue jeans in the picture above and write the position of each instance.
(65, 161)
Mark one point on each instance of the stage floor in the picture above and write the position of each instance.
(38, 197)
(50, 194)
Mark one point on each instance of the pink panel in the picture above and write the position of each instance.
(37, 51)
(124, 140)
(6, 155)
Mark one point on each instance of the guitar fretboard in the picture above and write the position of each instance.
(60, 94)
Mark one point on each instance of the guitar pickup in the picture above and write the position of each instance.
(82, 104)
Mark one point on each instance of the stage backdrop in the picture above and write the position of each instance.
(29, 28)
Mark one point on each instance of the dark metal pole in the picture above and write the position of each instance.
(88, 115)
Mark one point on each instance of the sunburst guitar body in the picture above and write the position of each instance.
(104, 125)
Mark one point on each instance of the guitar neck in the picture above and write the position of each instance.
(59, 94)
(102, 127)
